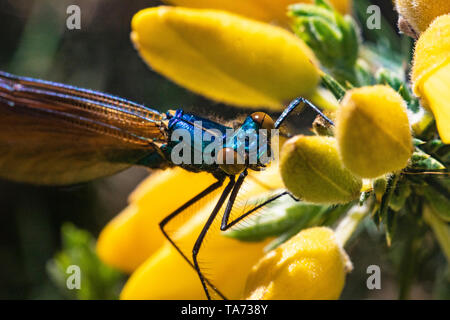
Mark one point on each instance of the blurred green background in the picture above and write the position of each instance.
(35, 42)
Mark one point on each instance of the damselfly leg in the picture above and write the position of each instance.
(182, 209)
(294, 105)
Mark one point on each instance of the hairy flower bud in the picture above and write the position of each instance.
(226, 57)
(418, 14)
(373, 132)
(310, 266)
(312, 171)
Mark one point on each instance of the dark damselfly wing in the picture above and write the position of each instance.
(56, 134)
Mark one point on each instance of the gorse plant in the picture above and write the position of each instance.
(382, 168)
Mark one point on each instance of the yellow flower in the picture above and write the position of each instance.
(373, 132)
(272, 11)
(311, 266)
(312, 171)
(420, 13)
(134, 240)
(226, 57)
(431, 73)
(132, 236)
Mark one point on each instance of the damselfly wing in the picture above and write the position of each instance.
(57, 134)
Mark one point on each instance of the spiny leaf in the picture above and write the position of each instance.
(423, 161)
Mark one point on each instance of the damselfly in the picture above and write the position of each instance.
(56, 134)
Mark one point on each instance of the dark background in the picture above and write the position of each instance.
(34, 41)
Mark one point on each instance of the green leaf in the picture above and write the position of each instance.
(325, 218)
(333, 38)
(97, 281)
(388, 217)
(335, 87)
(438, 203)
(418, 142)
(276, 219)
(387, 77)
(401, 194)
(423, 161)
(284, 218)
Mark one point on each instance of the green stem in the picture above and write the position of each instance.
(351, 221)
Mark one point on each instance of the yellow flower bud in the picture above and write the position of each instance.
(373, 132)
(431, 73)
(312, 170)
(310, 266)
(420, 13)
(272, 11)
(225, 57)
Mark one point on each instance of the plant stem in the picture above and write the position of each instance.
(351, 221)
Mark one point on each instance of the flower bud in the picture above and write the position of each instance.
(418, 14)
(431, 73)
(373, 132)
(310, 266)
(225, 57)
(273, 11)
(312, 171)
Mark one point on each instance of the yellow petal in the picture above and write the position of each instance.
(430, 75)
(272, 11)
(420, 13)
(373, 132)
(436, 91)
(165, 275)
(225, 57)
(131, 237)
(310, 266)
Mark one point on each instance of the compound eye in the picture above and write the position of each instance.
(230, 162)
(263, 120)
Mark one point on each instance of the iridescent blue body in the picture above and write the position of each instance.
(201, 138)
